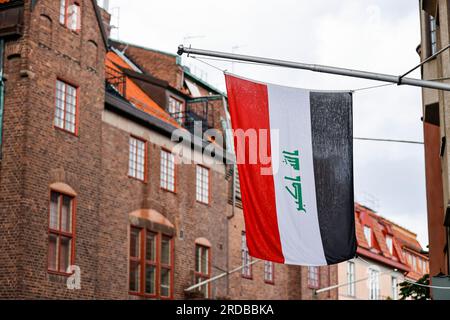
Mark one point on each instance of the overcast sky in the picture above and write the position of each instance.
(372, 35)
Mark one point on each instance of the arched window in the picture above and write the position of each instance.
(151, 255)
(61, 228)
(92, 54)
(203, 265)
(45, 30)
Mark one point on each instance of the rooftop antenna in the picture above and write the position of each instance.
(124, 49)
(190, 37)
(115, 22)
(202, 74)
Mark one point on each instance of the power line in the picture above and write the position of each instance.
(355, 90)
(254, 63)
(390, 140)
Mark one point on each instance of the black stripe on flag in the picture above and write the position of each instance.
(332, 141)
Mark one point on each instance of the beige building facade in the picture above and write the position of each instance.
(377, 281)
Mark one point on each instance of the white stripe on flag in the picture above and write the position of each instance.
(290, 115)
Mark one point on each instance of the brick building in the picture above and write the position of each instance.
(91, 175)
(387, 254)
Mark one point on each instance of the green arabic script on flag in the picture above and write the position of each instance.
(295, 190)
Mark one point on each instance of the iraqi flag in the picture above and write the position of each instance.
(299, 206)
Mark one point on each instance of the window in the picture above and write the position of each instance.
(167, 171)
(394, 284)
(313, 277)
(202, 269)
(424, 266)
(70, 14)
(414, 264)
(176, 109)
(66, 107)
(61, 233)
(246, 258)
(368, 235)
(202, 184)
(390, 244)
(351, 278)
(138, 157)
(151, 261)
(374, 284)
(269, 270)
(433, 35)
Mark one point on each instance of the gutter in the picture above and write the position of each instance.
(368, 254)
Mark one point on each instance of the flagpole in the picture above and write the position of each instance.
(319, 68)
(200, 284)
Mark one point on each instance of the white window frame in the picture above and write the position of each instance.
(368, 235)
(390, 244)
(176, 109)
(246, 259)
(168, 175)
(66, 104)
(202, 184)
(433, 35)
(137, 162)
(374, 284)
(314, 277)
(351, 278)
(394, 287)
(269, 270)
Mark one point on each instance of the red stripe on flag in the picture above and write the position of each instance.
(249, 108)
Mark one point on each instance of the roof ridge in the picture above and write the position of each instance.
(144, 48)
(381, 217)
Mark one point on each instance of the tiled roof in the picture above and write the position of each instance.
(379, 251)
(136, 95)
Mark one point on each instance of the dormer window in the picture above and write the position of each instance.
(390, 244)
(368, 235)
(70, 14)
(176, 108)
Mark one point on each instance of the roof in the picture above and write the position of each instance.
(188, 73)
(115, 41)
(121, 106)
(138, 106)
(381, 228)
(135, 95)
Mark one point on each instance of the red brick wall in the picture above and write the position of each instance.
(36, 154)
(95, 165)
(122, 195)
(160, 65)
(290, 281)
